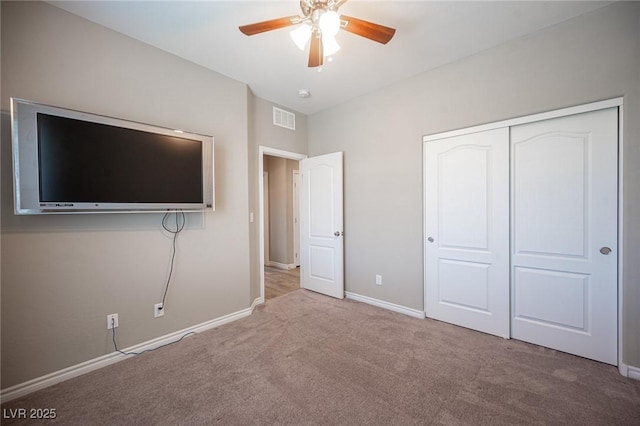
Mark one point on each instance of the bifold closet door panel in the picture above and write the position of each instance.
(564, 233)
(467, 231)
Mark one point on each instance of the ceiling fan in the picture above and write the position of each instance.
(320, 23)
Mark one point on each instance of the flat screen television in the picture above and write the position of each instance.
(67, 161)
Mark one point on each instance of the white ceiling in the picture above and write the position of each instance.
(429, 34)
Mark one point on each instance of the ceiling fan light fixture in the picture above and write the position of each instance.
(301, 36)
(329, 23)
(319, 24)
(329, 45)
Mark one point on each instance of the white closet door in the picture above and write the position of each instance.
(467, 231)
(564, 234)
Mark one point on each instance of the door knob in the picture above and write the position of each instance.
(338, 233)
(430, 239)
(605, 250)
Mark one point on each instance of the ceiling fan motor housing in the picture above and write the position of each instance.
(309, 7)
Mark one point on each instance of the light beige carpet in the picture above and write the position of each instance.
(307, 359)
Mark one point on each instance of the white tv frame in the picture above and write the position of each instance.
(25, 163)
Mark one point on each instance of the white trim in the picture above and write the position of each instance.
(385, 305)
(623, 369)
(262, 151)
(296, 216)
(424, 226)
(279, 265)
(267, 219)
(633, 372)
(594, 106)
(620, 234)
(51, 379)
(280, 153)
(629, 371)
(258, 301)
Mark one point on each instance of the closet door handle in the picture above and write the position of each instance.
(605, 250)
(430, 239)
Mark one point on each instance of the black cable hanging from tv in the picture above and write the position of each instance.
(179, 226)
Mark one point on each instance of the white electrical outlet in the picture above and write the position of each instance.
(157, 310)
(379, 279)
(112, 321)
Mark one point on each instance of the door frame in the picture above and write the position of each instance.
(266, 230)
(262, 151)
(296, 217)
(594, 106)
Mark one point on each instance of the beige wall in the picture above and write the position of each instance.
(61, 275)
(254, 237)
(267, 135)
(590, 58)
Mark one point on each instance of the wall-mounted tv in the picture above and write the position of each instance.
(67, 161)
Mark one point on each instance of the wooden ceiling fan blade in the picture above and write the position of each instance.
(272, 24)
(315, 51)
(367, 29)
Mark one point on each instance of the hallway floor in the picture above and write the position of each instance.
(278, 282)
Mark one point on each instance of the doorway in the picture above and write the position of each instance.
(279, 250)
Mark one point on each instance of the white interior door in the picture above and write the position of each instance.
(321, 225)
(564, 241)
(467, 231)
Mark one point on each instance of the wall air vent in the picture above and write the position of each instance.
(284, 118)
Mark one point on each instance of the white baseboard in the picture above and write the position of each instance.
(633, 372)
(258, 301)
(51, 379)
(281, 265)
(386, 305)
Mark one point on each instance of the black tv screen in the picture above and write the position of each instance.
(85, 162)
(68, 161)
